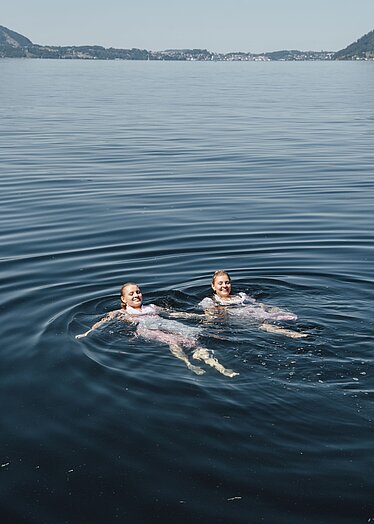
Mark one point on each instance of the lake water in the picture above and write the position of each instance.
(161, 173)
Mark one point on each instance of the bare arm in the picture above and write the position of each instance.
(183, 314)
(177, 314)
(110, 316)
(215, 312)
(270, 328)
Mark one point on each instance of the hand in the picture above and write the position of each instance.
(82, 335)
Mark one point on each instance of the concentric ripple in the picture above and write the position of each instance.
(161, 173)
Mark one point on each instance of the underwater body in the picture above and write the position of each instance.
(161, 173)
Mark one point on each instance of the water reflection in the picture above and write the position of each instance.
(106, 181)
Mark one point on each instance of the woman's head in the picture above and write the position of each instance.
(131, 295)
(221, 284)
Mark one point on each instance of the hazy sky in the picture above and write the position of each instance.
(236, 25)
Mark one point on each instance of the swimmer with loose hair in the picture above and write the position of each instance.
(245, 307)
(152, 326)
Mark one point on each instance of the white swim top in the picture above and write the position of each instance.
(248, 308)
(151, 321)
(150, 309)
(240, 298)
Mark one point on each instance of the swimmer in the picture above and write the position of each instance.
(245, 306)
(152, 326)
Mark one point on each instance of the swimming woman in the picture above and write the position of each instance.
(152, 326)
(245, 307)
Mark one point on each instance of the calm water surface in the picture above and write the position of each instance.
(162, 173)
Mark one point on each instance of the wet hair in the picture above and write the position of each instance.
(125, 286)
(218, 273)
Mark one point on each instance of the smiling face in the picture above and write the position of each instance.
(221, 285)
(131, 296)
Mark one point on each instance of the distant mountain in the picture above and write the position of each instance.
(294, 55)
(13, 39)
(15, 45)
(12, 44)
(362, 49)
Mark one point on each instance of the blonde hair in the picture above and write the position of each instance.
(127, 284)
(218, 273)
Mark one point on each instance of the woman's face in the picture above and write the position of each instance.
(222, 286)
(132, 296)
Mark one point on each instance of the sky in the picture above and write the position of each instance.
(217, 25)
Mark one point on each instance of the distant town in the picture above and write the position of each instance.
(15, 45)
(202, 55)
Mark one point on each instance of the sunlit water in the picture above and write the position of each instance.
(161, 173)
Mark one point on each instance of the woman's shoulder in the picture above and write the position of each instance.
(245, 297)
(240, 298)
(114, 314)
(206, 303)
(149, 309)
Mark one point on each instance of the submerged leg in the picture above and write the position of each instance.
(270, 328)
(203, 354)
(179, 353)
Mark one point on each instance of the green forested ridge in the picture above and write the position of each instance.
(15, 45)
(12, 39)
(362, 49)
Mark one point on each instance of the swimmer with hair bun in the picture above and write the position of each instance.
(243, 306)
(152, 325)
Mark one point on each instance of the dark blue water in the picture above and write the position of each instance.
(161, 173)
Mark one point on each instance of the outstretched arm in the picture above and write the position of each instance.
(270, 328)
(177, 314)
(110, 316)
(182, 314)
